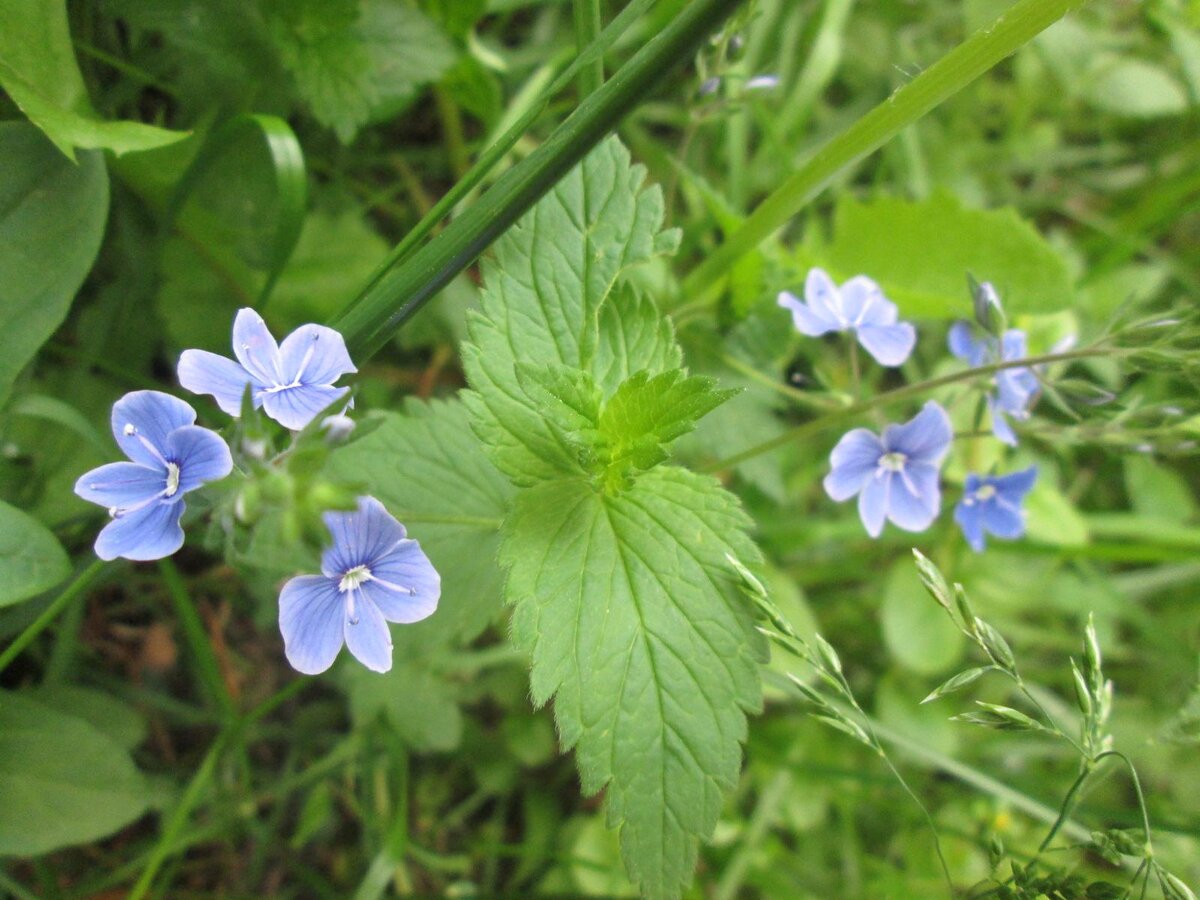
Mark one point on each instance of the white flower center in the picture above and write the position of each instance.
(353, 578)
(893, 462)
(985, 492)
(172, 480)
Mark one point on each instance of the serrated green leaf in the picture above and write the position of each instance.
(412, 463)
(545, 295)
(52, 216)
(632, 615)
(570, 397)
(921, 251)
(354, 62)
(649, 412)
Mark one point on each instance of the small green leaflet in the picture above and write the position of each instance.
(617, 566)
(635, 626)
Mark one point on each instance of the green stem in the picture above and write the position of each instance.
(198, 639)
(945, 78)
(50, 613)
(399, 293)
(815, 426)
(452, 132)
(587, 28)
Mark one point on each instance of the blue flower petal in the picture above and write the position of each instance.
(360, 538)
(963, 345)
(201, 455)
(151, 532)
(863, 303)
(823, 297)
(295, 407)
(915, 499)
(369, 638)
(891, 345)
(967, 515)
(1002, 518)
(202, 372)
(1012, 345)
(808, 321)
(142, 420)
(314, 354)
(1000, 426)
(405, 585)
(121, 484)
(1016, 389)
(853, 461)
(311, 614)
(1016, 485)
(924, 438)
(873, 502)
(255, 349)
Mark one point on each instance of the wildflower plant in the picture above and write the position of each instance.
(567, 469)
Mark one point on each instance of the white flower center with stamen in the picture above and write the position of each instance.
(985, 492)
(172, 480)
(353, 578)
(893, 462)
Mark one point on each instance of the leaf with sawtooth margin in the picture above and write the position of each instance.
(632, 615)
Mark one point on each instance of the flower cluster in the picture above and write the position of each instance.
(896, 474)
(373, 573)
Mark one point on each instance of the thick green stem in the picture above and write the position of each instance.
(398, 294)
(587, 27)
(939, 82)
(50, 613)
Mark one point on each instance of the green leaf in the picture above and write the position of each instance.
(649, 412)
(918, 634)
(52, 216)
(102, 711)
(413, 462)
(1130, 87)
(558, 266)
(31, 559)
(635, 625)
(420, 706)
(38, 70)
(357, 61)
(920, 252)
(63, 782)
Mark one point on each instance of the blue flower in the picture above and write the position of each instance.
(373, 574)
(858, 306)
(992, 504)
(170, 456)
(896, 475)
(292, 382)
(1016, 388)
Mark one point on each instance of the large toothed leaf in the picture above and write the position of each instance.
(545, 289)
(617, 567)
(629, 608)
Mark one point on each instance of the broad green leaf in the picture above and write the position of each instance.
(102, 711)
(31, 559)
(1052, 519)
(428, 468)
(357, 61)
(421, 706)
(918, 633)
(63, 782)
(38, 70)
(1130, 87)
(631, 612)
(52, 216)
(545, 290)
(920, 252)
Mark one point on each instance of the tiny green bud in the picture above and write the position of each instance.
(1091, 650)
(1083, 697)
(276, 487)
(828, 655)
(248, 505)
(995, 646)
(961, 680)
(1178, 890)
